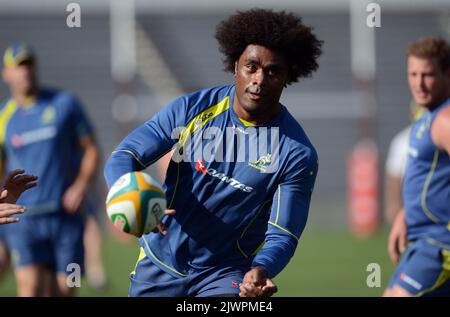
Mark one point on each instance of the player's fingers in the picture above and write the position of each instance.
(254, 290)
(70, 196)
(161, 228)
(247, 290)
(4, 221)
(269, 284)
(269, 289)
(7, 207)
(70, 208)
(25, 178)
(13, 174)
(30, 185)
(76, 203)
(3, 194)
(257, 291)
(169, 212)
(242, 290)
(66, 200)
(10, 209)
(69, 202)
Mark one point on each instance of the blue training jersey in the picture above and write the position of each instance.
(44, 140)
(229, 212)
(426, 188)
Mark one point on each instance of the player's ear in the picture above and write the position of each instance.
(235, 68)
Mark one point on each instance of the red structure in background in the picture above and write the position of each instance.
(363, 184)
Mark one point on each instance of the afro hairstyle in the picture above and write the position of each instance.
(279, 31)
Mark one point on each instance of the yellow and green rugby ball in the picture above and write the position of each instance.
(136, 203)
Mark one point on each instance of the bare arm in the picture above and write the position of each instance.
(74, 195)
(393, 201)
(397, 237)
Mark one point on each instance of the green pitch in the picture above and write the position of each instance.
(326, 263)
(335, 264)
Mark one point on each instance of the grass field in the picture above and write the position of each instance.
(326, 263)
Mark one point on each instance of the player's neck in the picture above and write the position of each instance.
(258, 118)
(25, 99)
(439, 102)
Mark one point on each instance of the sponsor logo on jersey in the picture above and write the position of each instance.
(202, 119)
(33, 136)
(409, 280)
(200, 167)
(413, 152)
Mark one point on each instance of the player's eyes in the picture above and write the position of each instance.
(251, 67)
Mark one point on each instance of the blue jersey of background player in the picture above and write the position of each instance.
(45, 132)
(425, 266)
(236, 224)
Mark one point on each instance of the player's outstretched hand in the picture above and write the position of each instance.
(257, 284)
(7, 210)
(397, 237)
(16, 183)
(162, 228)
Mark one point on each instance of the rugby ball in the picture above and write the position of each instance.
(135, 203)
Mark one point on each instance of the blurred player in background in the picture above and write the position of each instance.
(235, 227)
(47, 133)
(396, 166)
(425, 220)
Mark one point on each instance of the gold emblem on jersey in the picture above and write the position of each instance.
(262, 162)
(49, 114)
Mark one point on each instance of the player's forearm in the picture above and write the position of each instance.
(118, 164)
(393, 197)
(89, 164)
(276, 253)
